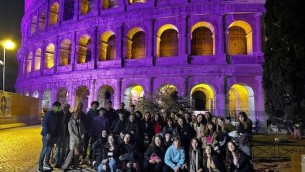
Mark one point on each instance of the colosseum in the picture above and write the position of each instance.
(85, 50)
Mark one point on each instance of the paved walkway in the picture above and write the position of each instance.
(21, 146)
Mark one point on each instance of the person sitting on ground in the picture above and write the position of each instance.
(154, 156)
(110, 156)
(97, 148)
(237, 159)
(175, 157)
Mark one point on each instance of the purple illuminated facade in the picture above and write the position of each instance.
(85, 50)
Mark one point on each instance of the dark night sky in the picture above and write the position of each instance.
(11, 12)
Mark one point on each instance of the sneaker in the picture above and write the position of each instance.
(47, 167)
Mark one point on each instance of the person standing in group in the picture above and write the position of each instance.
(77, 135)
(62, 139)
(48, 132)
(244, 131)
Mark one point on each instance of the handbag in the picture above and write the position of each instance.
(154, 157)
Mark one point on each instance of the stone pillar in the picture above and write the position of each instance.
(76, 10)
(93, 47)
(220, 104)
(73, 51)
(257, 37)
(53, 94)
(118, 93)
(92, 95)
(259, 102)
(182, 39)
(56, 54)
(219, 36)
(71, 96)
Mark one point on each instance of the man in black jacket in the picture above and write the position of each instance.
(48, 132)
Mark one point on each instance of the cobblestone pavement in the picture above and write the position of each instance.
(19, 148)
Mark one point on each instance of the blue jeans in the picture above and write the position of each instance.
(110, 168)
(45, 152)
(61, 149)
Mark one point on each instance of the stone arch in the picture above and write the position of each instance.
(37, 59)
(136, 1)
(42, 20)
(29, 62)
(202, 39)
(241, 98)
(86, 6)
(107, 46)
(108, 4)
(132, 94)
(49, 56)
(81, 95)
(34, 24)
(68, 10)
(167, 41)
(203, 97)
(35, 94)
(54, 10)
(65, 52)
(105, 92)
(240, 38)
(136, 43)
(167, 89)
(46, 99)
(62, 95)
(84, 49)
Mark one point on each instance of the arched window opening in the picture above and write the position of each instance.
(86, 6)
(82, 94)
(34, 25)
(54, 10)
(138, 46)
(107, 4)
(237, 41)
(133, 94)
(37, 59)
(203, 98)
(49, 56)
(46, 99)
(65, 53)
(68, 10)
(169, 43)
(42, 20)
(84, 49)
(62, 96)
(241, 98)
(29, 63)
(105, 93)
(136, 1)
(107, 46)
(202, 42)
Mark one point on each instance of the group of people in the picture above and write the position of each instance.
(121, 140)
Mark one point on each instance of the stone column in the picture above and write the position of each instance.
(73, 50)
(259, 102)
(118, 93)
(76, 10)
(257, 37)
(92, 95)
(182, 39)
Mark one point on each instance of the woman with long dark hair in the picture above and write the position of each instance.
(154, 156)
(195, 156)
(110, 156)
(212, 161)
(237, 160)
(244, 131)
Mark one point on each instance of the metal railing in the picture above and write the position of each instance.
(276, 151)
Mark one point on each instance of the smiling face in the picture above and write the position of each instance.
(231, 146)
(194, 144)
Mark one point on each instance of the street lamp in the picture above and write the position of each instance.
(7, 44)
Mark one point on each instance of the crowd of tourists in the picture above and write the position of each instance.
(119, 140)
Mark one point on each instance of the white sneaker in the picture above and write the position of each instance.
(47, 167)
